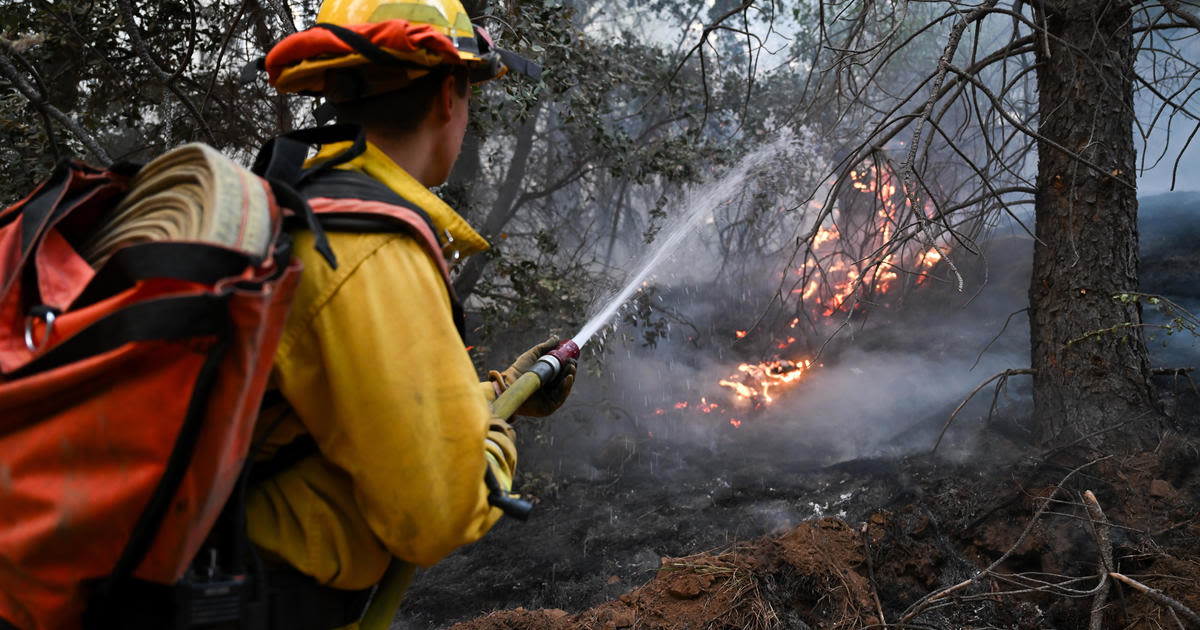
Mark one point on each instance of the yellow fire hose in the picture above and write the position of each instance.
(390, 592)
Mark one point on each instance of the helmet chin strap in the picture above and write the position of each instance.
(324, 112)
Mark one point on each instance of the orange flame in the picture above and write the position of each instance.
(759, 379)
(836, 272)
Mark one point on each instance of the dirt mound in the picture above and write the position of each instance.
(819, 570)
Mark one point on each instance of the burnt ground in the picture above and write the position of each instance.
(776, 525)
(775, 543)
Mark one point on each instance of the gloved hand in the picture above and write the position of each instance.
(551, 395)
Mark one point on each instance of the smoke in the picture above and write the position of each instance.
(648, 399)
(1169, 231)
(884, 385)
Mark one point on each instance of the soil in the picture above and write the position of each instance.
(998, 540)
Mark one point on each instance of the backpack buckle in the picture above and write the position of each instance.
(45, 313)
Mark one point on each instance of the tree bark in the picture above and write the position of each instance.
(504, 208)
(1091, 385)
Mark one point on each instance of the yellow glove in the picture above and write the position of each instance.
(551, 395)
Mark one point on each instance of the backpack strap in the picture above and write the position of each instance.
(281, 163)
(349, 201)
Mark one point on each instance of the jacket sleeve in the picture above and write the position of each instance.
(397, 405)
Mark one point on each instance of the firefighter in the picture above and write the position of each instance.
(371, 363)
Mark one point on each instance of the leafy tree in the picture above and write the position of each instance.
(114, 79)
(565, 176)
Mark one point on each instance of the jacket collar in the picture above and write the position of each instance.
(375, 163)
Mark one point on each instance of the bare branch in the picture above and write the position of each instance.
(927, 602)
(284, 13)
(944, 65)
(168, 80)
(1099, 525)
(1002, 376)
(1158, 597)
(1178, 11)
(38, 100)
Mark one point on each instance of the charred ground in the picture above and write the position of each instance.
(779, 545)
(678, 526)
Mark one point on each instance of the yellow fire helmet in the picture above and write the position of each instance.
(387, 43)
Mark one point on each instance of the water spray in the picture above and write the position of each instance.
(549, 366)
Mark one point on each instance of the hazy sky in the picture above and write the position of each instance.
(1158, 179)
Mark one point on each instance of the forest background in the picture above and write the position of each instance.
(951, 198)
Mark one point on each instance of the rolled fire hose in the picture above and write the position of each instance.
(190, 193)
(395, 581)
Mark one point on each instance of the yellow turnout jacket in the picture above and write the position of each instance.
(373, 368)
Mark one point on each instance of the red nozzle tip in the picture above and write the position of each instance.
(565, 350)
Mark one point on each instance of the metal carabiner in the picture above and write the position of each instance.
(47, 313)
(454, 254)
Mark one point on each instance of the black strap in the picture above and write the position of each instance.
(35, 216)
(288, 197)
(363, 46)
(287, 456)
(107, 596)
(498, 497)
(163, 318)
(282, 158)
(53, 187)
(196, 262)
(341, 184)
(474, 45)
(146, 529)
(298, 602)
(281, 163)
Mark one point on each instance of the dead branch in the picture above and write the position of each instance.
(925, 602)
(1185, 372)
(910, 187)
(1158, 597)
(285, 15)
(1165, 371)
(18, 48)
(1104, 540)
(37, 100)
(998, 335)
(1003, 376)
(1179, 12)
(125, 8)
(871, 574)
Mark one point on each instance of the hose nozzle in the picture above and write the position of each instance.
(565, 351)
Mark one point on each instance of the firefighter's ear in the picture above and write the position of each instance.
(444, 101)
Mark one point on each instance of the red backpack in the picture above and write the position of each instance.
(128, 397)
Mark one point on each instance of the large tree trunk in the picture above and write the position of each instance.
(1092, 372)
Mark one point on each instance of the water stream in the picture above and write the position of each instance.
(699, 202)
